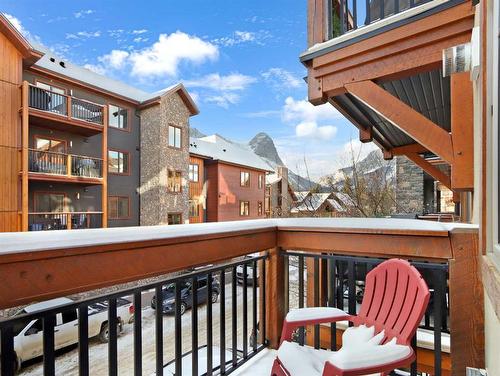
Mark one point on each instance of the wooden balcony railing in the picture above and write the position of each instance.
(311, 261)
(45, 221)
(47, 162)
(65, 105)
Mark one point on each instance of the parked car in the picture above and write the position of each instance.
(168, 305)
(28, 336)
(169, 368)
(240, 276)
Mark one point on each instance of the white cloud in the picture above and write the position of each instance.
(116, 59)
(99, 69)
(16, 23)
(310, 129)
(280, 78)
(83, 13)
(84, 35)
(140, 40)
(303, 110)
(240, 37)
(165, 55)
(140, 31)
(222, 90)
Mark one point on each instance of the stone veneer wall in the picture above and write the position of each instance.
(409, 186)
(157, 158)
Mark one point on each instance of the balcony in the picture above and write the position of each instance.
(291, 263)
(50, 166)
(48, 108)
(64, 220)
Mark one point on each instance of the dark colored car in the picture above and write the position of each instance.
(187, 295)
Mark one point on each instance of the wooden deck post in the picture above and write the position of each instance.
(466, 302)
(275, 296)
(24, 155)
(104, 187)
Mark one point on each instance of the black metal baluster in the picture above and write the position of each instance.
(209, 325)
(367, 6)
(331, 302)
(113, 338)
(301, 296)
(194, 326)
(439, 291)
(263, 297)
(351, 285)
(316, 301)
(413, 367)
(396, 6)
(49, 368)
(342, 16)
(286, 269)
(234, 317)
(412, 3)
(331, 19)
(138, 333)
(7, 357)
(382, 9)
(178, 330)
(346, 16)
(222, 321)
(354, 14)
(245, 312)
(340, 287)
(159, 329)
(83, 340)
(254, 305)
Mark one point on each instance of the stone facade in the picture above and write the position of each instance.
(409, 186)
(157, 158)
(278, 198)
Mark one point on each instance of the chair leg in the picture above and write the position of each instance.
(278, 369)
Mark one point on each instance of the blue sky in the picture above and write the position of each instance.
(239, 60)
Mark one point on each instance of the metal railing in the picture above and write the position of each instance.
(47, 162)
(338, 281)
(46, 100)
(65, 105)
(46, 221)
(348, 15)
(225, 350)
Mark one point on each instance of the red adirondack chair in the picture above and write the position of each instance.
(394, 302)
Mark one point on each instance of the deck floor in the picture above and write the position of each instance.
(259, 365)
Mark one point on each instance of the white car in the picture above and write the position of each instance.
(28, 337)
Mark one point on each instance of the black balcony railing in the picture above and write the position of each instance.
(65, 105)
(225, 349)
(341, 278)
(88, 167)
(47, 162)
(46, 221)
(348, 15)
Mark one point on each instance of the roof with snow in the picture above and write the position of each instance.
(218, 148)
(312, 202)
(273, 178)
(301, 195)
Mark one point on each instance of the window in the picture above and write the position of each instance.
(118, 162)
(174, 219)
(194, 208)
(174, 136)
(244, 179)
(261, 181)
(174, 183)
(118, 207)
(50, 87)
(47, 144)
(259, 208)
(193, 172)
(118, 117)
(46, 202)
(244, 208)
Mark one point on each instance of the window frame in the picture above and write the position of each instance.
(242, 212)
(261, 181)
(191, 173)
(181, 188)
(37, 137)
(173, 224)
(175, 127)
(260, 208)
(129, 163)
(247, 184)
(128, 128)
(36, 199)
(110, 197)
(51, 84)
(194, 204)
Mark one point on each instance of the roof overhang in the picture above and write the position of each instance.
(30, 55)
(183, 93)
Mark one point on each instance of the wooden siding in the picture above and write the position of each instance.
(212, 170)
(196, 188)
(10, 134)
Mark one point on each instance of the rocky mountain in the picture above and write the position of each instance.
(263, 145)
(193, 132)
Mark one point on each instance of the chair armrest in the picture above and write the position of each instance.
(310, 316)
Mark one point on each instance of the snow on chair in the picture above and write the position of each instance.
(394, 302)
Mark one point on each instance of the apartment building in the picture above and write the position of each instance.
(80, 150)
(227, 181)
(279, 194)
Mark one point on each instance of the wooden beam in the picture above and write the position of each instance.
(411, 148)
(24, 155)
(387, 154)
(365, 135)
(104, 193)
(316, 22)
(432, 170)
(275, 296)
(462, 131)
(411, 122)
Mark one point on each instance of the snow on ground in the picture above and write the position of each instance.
(67, 362)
